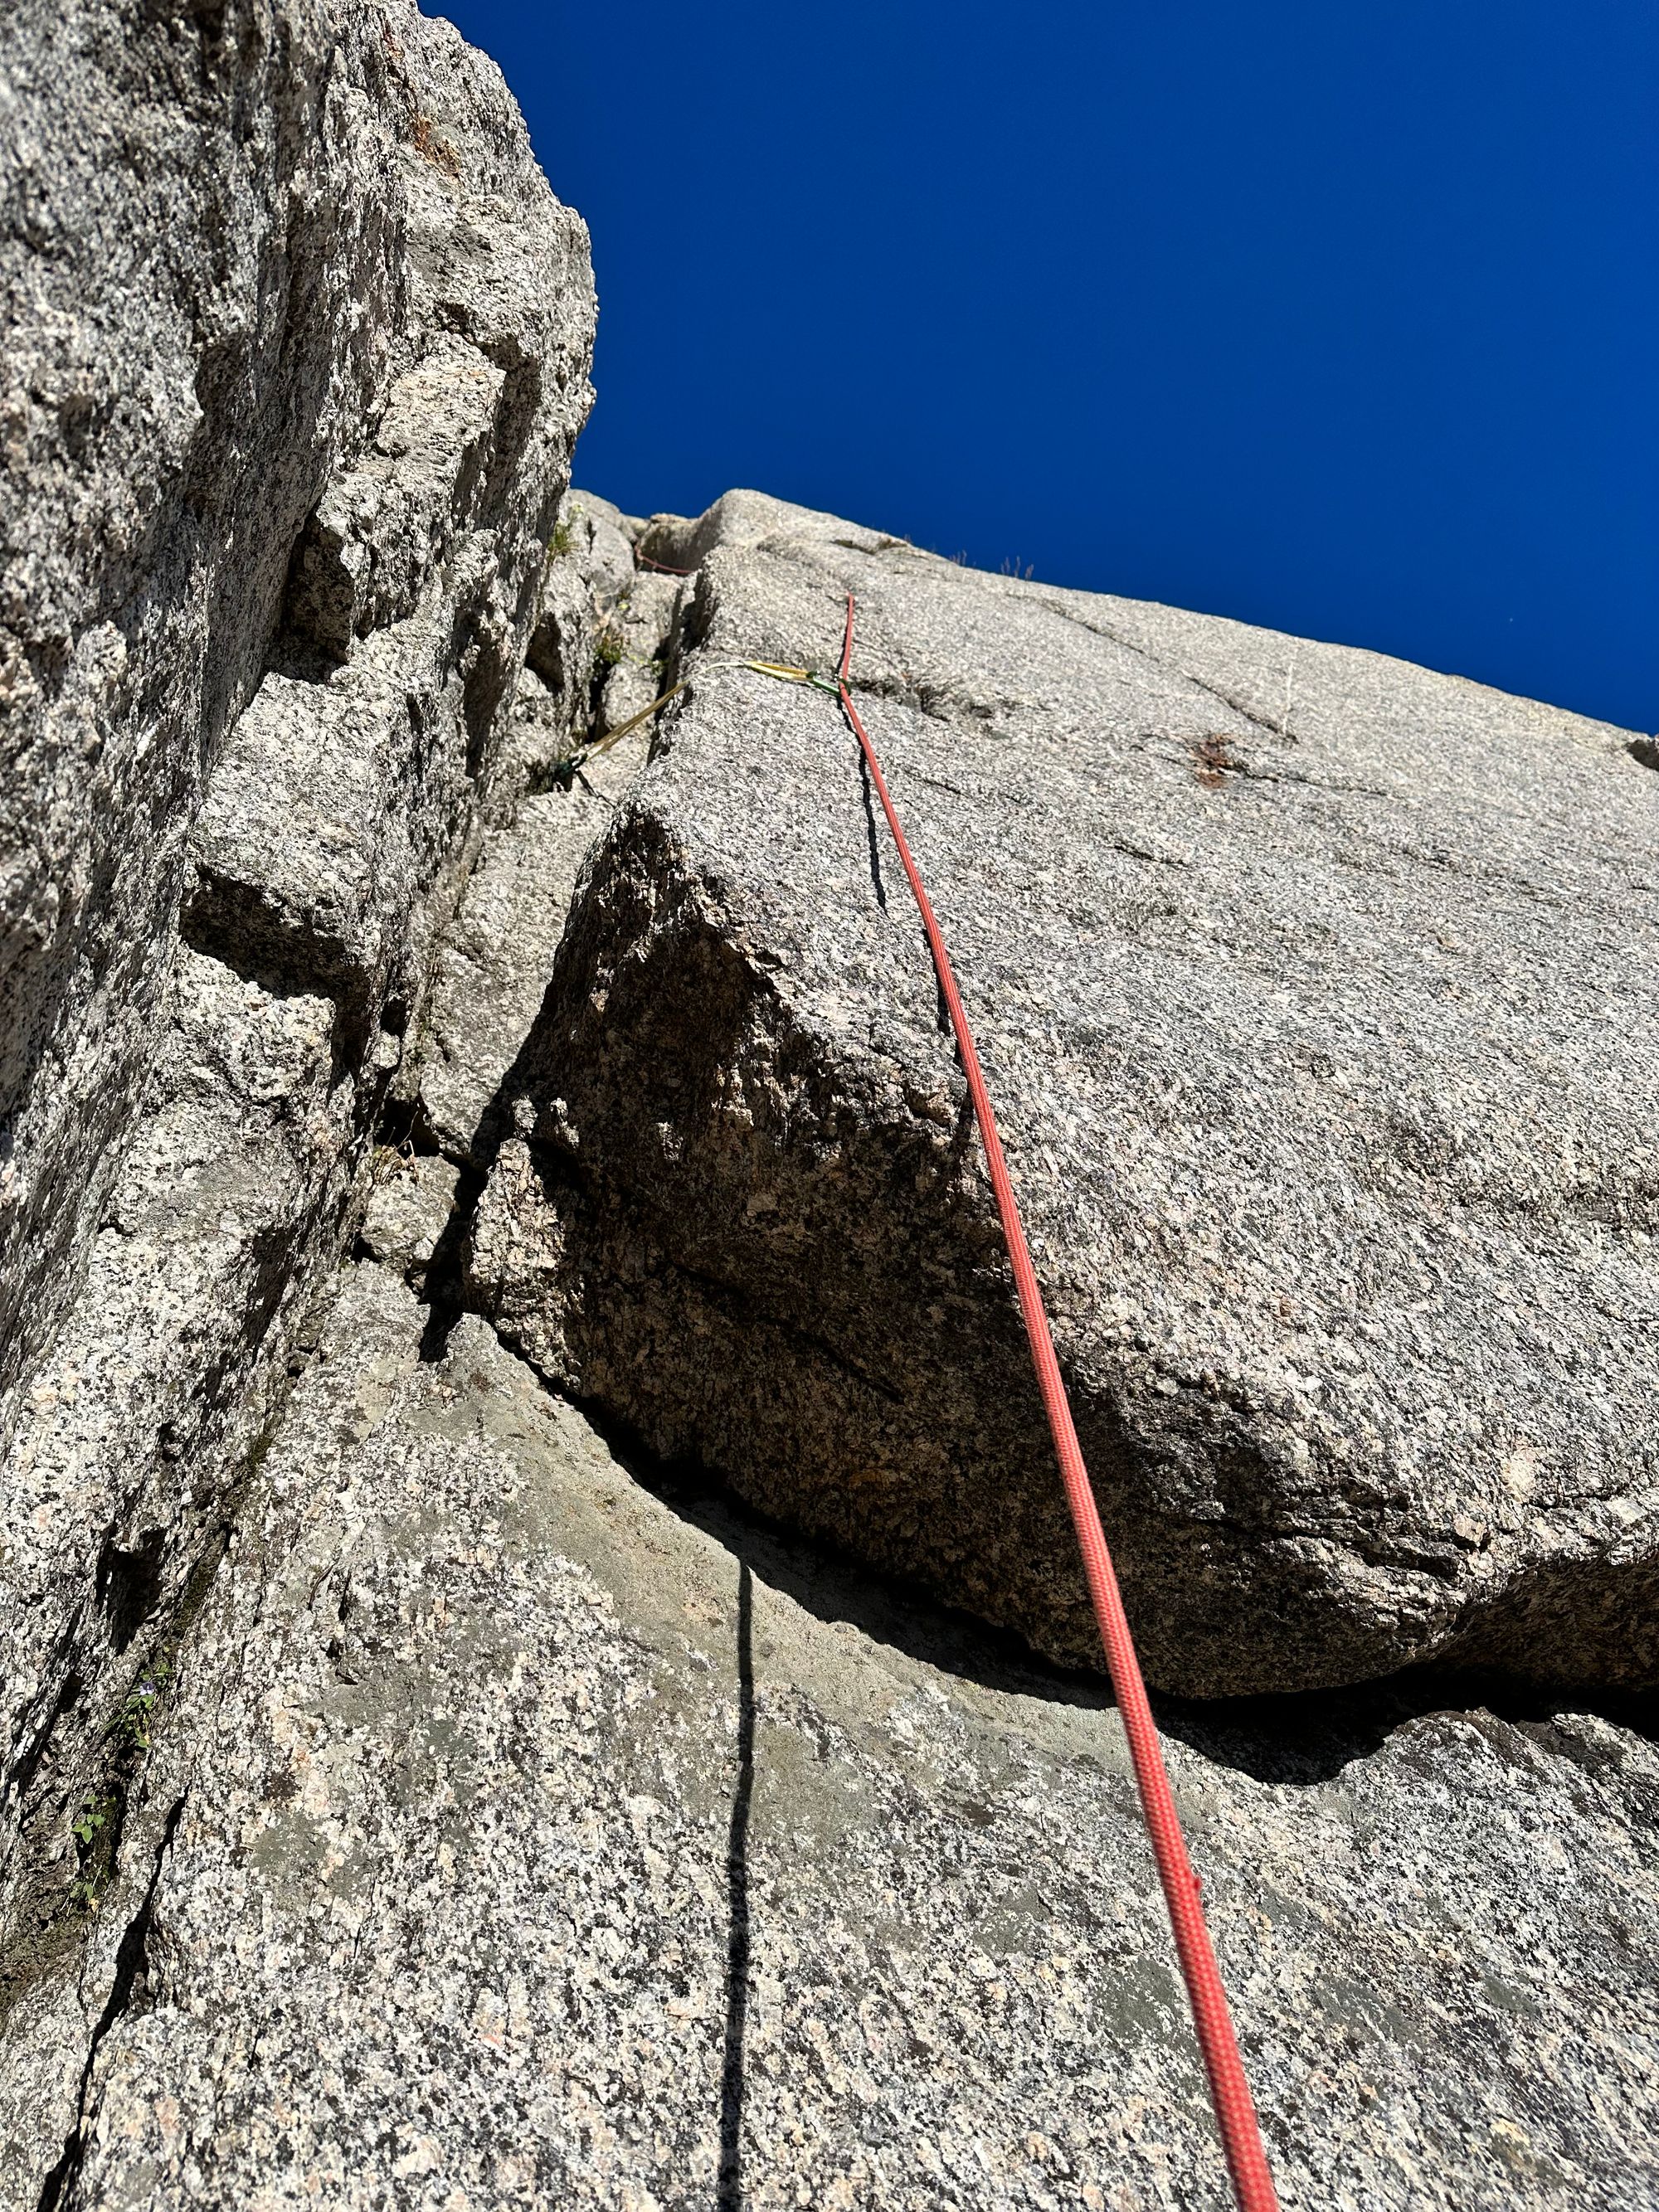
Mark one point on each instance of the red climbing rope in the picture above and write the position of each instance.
(1229, 2092)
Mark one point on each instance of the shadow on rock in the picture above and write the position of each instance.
(1299, 1738)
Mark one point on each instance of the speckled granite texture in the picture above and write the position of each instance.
(487, 1776)
(296, 350)
(424, 1781)
(499, 1822)
(1316, 993)
(296, 346)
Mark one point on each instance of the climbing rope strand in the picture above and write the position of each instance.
(1229, 2092)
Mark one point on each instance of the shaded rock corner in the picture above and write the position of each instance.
(543, 1657)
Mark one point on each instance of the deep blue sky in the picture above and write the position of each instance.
(1338, 318)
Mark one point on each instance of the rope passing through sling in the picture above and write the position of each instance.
(1229, 2093)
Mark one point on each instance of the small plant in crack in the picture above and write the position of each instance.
(96, 1826)
(145, 1702)
(88, 1821)
(94, 1829)
(563, 538)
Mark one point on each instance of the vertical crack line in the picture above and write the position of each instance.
(870, 831)
(57, 2190)
(729, 2193)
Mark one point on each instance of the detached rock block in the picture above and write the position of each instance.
(1316, 994)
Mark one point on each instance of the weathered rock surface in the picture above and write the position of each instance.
(272, 274)
(1315, 992)
(405, 1800)
(486, 1777)
(490, 1827)
(563, 774)
(590, 578)
(494, 961)
(296, 341)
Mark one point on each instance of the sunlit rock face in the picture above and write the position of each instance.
(1314, 991)
(296, 341)
(543, 1662)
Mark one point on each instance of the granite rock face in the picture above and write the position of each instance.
(296, 344)
(563, 774)
(421, 1785)
(514, 1835)
(1314, 989)
(487, 1819)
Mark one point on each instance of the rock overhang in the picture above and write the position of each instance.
(1309, 986)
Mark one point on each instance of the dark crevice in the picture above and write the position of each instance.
(403, 1127)
(317, 626)
(870, 831)
(444, 1287)
(1294, 1737)
(228, 922)
(1301, 1737)
(127, 1994)
(486, 672)
(20, 1779)
(129, 1585)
